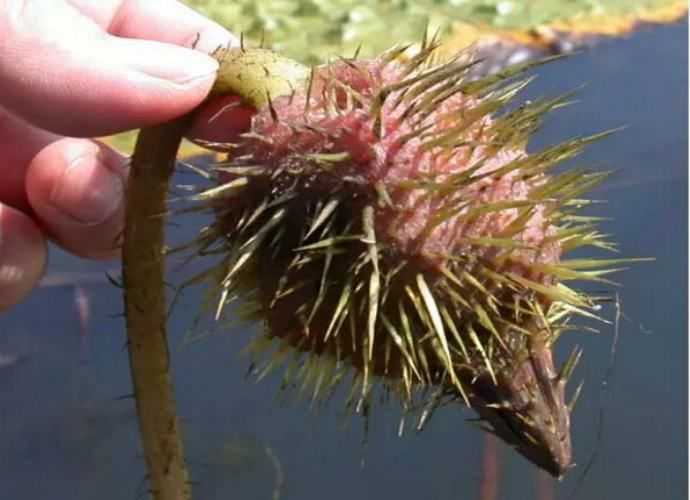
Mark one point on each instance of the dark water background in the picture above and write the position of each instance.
(65, 435)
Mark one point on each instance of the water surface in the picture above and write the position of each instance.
(66, 431)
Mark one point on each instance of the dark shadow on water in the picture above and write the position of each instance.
(67, 432)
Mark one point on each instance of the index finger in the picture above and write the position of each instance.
(167, 21)
(102, 67)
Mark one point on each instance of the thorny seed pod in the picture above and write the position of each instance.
(384, 221)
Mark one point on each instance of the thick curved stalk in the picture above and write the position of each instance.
(146, 308)
(254, 75)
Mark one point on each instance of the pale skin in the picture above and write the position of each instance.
(72, 70)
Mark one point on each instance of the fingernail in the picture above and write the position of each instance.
(179, 65)
(22, 256)
(88, 191)
(214, 38)
(11, 274)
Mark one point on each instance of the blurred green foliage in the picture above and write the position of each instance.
(313, 30)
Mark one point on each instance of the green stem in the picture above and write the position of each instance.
(254, 75)
(146, 308)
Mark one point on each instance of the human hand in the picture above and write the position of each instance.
(74, 69)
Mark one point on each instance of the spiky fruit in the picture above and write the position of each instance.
(384, 222)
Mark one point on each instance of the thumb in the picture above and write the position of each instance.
(62, 72)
